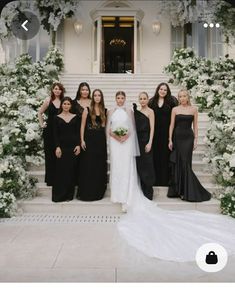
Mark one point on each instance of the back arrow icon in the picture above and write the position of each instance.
(23, 25)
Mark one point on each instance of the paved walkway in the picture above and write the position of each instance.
(34, 250)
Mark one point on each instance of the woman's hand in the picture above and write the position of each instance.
(170, 145)
(77, 150)
(83, 145)
(195, 144)
(44, 125)
(58, 152)
(122, 139)
(148, 147)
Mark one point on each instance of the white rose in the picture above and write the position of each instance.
(5, 140)
(232, 160)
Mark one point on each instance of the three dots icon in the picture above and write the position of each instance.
(206, 25)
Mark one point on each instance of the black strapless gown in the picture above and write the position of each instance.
(144, 162)
(184, 182)
(49, 145)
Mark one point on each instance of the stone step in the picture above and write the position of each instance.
(200, 168)
(43, 204)
(44, 190)
(201, 146)
(105, 206)
(113, 76)
(202, 176)
(161, 192)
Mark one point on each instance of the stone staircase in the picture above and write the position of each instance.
(132, 85)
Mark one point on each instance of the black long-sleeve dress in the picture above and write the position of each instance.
(49, 145)
(184, 182)
(92, 169)
(77, 108)
(66, 136)
(161, 151)
(144, 162)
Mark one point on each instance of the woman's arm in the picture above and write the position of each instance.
(171, 128)
(77, 148)
(82, 131)
(41, 110)
(152, 125)
(195, 128)
(131, 129)
(58, 151)
(109, 132)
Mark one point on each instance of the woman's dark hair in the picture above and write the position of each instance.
(101, 108)
(66, 98)
(61, 87)
(120, 93)
(78, 94)
(168, 99)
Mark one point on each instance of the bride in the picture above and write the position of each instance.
(160, 233)
(123, 149)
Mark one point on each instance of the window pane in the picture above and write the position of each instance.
(202, 40)
(217, 43)
(176, 38)
(44, 43)
(32, 48)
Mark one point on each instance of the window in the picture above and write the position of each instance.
(216, 43)
(176, 38)
(207, 42)
(38, 46)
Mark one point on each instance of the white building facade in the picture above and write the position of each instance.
(119, 37)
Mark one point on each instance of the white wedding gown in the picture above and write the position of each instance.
(160, 233)
(120, 177)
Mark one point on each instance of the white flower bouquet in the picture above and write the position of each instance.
(120, 131)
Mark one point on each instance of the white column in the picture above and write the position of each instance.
(2, 55)
(135, 45)
(99, 38)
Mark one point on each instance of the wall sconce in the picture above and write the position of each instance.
(156, 26)
(78, 27)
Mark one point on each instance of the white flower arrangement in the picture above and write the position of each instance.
(181, 12)
(24, 88)
(7, 204)
(61, 9)
(50, 13)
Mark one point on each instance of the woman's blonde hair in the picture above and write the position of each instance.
(188, 95)
(145, 93)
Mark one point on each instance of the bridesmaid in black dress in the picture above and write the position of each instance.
(67, 142)
(82, 99)
(162, 103)
(92, 179)
(182, 142)
(50, 107)
(81, 102)
(144, 120)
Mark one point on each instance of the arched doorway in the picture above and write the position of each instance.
(116, 35)
(117, 44)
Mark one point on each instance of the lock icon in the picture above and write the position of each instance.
(211, 258)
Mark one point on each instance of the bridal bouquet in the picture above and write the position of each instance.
(120, 131)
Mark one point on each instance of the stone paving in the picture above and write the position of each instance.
(52, 248)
